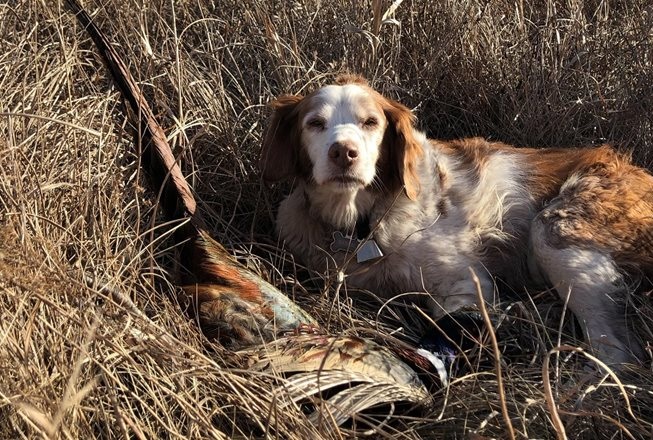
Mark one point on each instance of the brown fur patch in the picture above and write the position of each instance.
(280, 150)
(351, 78)
(404, 151)
(607, 204)
(551, 167)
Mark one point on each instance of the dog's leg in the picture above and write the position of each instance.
(587, 279)
(456, 310)
(458, 292)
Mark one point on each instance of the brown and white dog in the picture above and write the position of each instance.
(426, 211)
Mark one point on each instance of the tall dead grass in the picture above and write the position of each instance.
(80, 233)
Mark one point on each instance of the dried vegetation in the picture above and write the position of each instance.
(93, 342)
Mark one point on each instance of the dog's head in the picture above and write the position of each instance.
(344, 136)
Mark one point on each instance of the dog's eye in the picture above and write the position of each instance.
(370, 122)
(316, 123)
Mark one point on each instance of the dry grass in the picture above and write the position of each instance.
(79, 223)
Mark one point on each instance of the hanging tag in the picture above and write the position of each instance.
(344, 243)
(368, 251)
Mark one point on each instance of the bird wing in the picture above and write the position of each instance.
(341, 376)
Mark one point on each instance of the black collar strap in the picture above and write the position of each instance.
(363, 227)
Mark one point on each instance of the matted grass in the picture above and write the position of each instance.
(80, 231)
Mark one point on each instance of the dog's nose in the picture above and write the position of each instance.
(343, 154)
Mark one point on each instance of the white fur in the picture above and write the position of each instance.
(592, 286)
(343, 118)
(424, 252)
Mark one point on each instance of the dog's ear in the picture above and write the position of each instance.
(404, 151)
(281, 143)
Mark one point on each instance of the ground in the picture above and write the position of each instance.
(80, 224)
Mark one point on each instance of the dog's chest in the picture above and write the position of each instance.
(415, 250)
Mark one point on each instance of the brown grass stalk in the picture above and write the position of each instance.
(498, 368)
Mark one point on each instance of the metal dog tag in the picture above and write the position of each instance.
(344, 243)
(368, 251)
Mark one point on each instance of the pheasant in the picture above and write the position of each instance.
(244, 312)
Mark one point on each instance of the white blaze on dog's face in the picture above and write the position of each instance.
(342, 138)
(342, 131)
